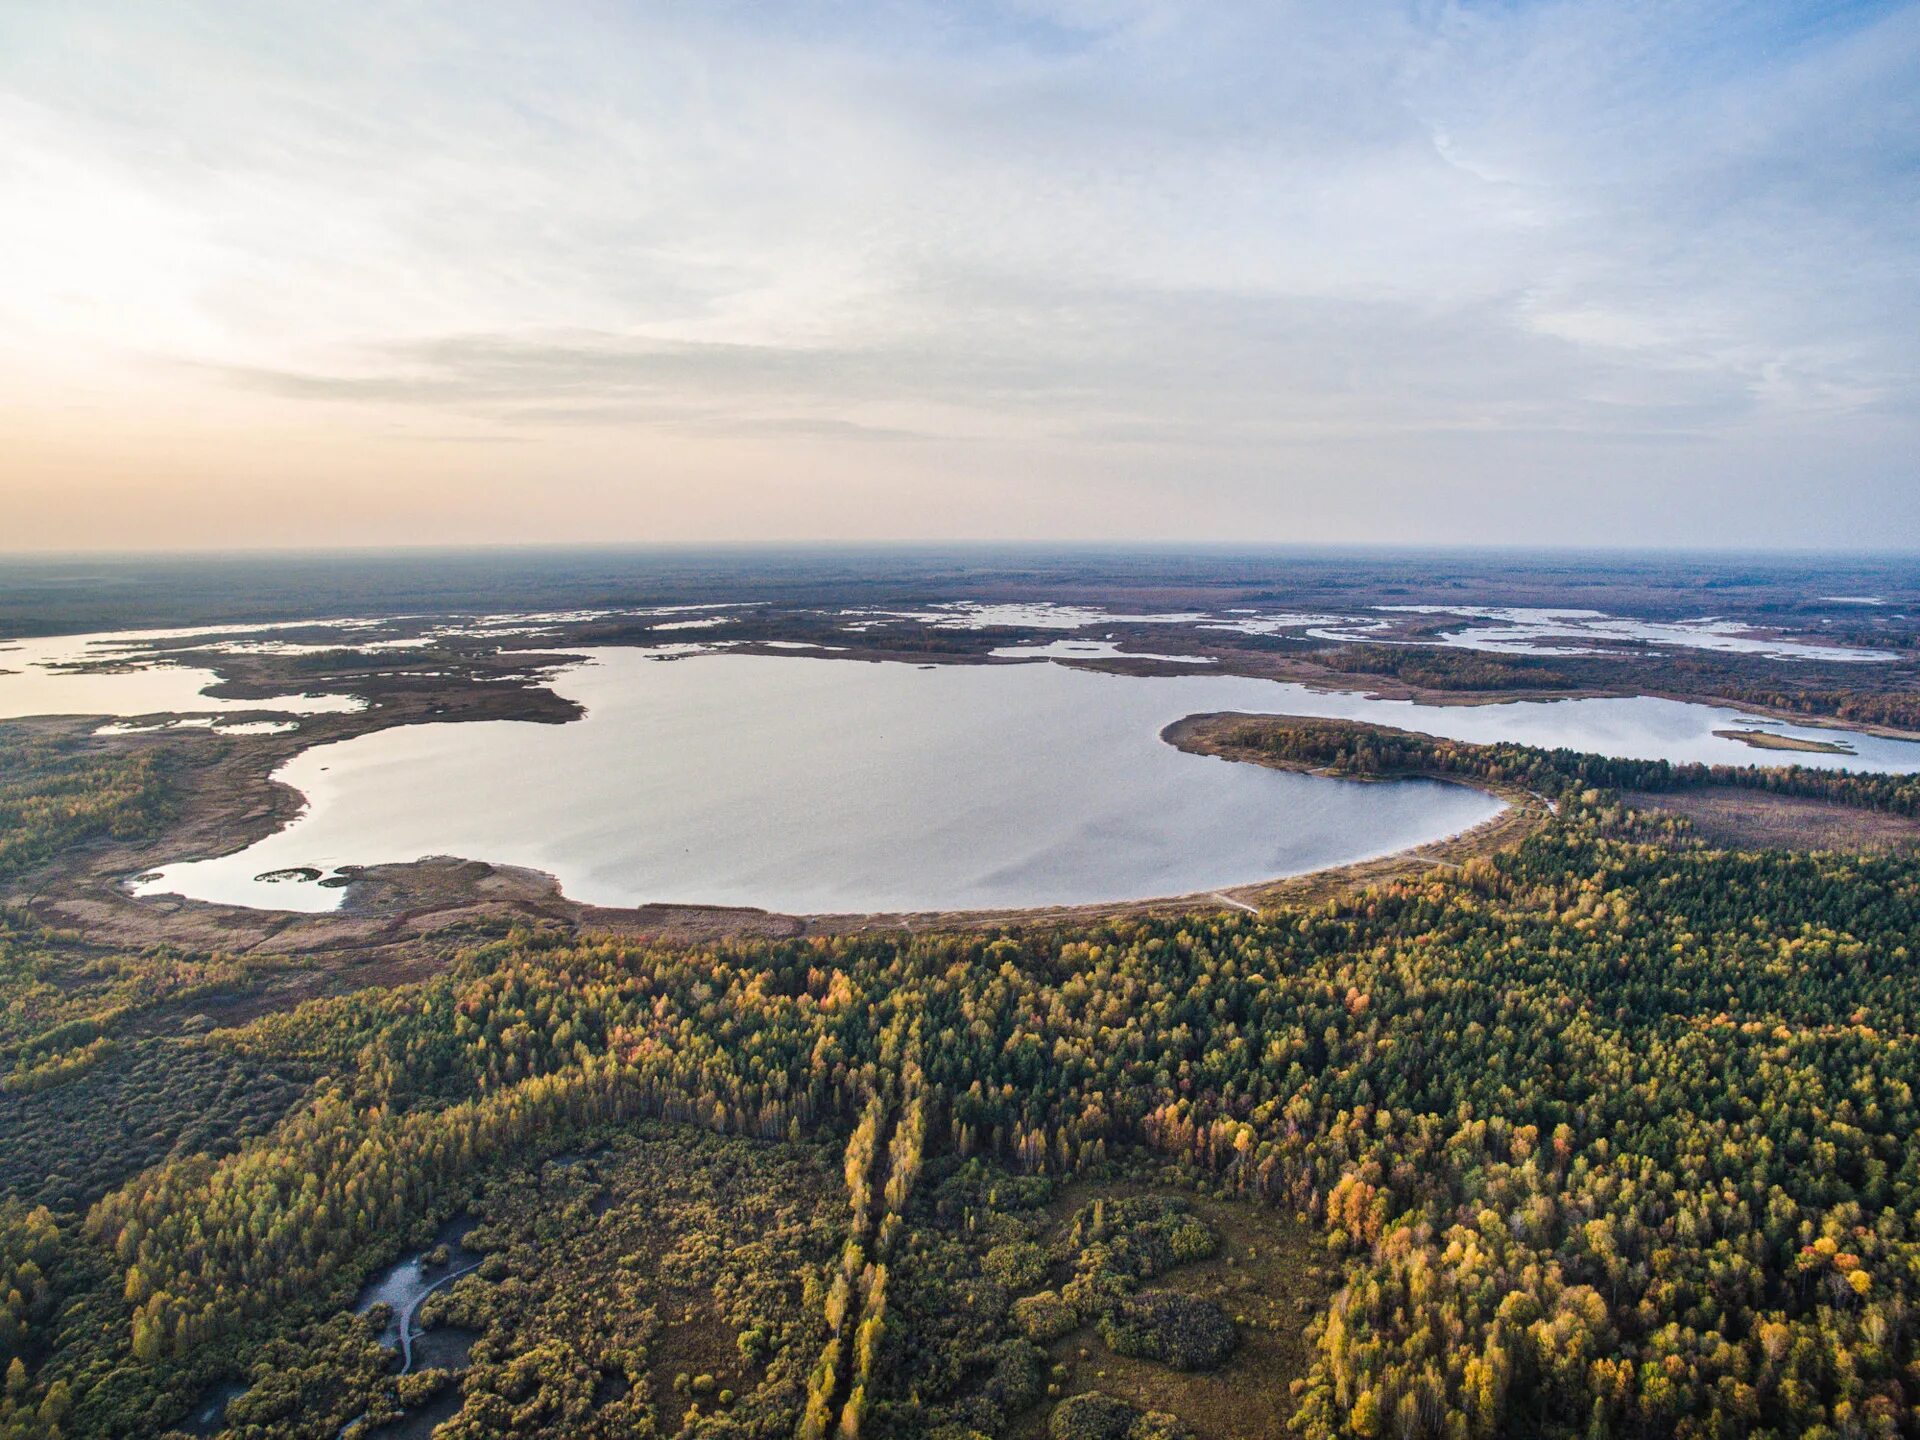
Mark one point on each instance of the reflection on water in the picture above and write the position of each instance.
(36, 679)
(202, 722)
(1031, 615)
(1091, 650)
(445, 1347)
(813, 785)
(821, 785)
(1522, 628)
(419, 1423)
(210, 1414)
(403, 1285)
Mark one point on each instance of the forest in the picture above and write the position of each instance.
(56, 792)
(1611, 1133)
(1345, 747)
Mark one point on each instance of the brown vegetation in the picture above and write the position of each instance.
(1754, 820)
(1270, 1278)
(1768, 740)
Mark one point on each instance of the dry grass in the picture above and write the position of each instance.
(1755, 820)
(1767, 740)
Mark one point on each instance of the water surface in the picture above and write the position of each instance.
(115, 674)
(404, 1284)
(812, 785)
(816, 785)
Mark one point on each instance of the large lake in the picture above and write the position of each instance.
(813, 785)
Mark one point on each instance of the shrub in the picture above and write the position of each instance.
(1159, 1425)
(1136, 1238)
(1015, 1381)
(1045, 1317)
(1018, 1266)
(1190, 1239)
(1174, 1329)
(1092, 1416)
(421, 1386)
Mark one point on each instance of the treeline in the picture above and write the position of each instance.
(333, 662)
(1353, 748)
(1609, 1138)
(29, 1253)
(1830, 691)
(1897, 708)
(1435, 667)
(893, 1125)
(59, 792)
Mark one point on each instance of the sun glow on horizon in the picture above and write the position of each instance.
(336, 274)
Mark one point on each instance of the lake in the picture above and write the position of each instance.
(811, 785)
(39, 677)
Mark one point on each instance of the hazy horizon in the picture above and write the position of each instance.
(968, 544)
(307, 277)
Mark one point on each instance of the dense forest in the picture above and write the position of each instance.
(58, 792)
(1609, 1134)
(1897, 708)
(1350, 748)
(1436, 668)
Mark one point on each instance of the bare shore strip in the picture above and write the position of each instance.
(227, 799)
(400, 922)
(1768, 740)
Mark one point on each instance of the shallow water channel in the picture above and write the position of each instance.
(405, 1285)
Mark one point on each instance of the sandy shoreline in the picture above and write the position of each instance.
(228, 799)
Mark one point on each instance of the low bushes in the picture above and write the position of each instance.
(1173, 1329)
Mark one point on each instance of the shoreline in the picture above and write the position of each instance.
(229, 798)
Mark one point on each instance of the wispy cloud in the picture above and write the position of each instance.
(1374, 239)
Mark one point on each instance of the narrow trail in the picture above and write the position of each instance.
(406, 1331)
(406, 1315)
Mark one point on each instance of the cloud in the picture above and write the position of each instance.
(1389, 234)
(1109, 366)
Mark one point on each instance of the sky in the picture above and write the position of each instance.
(1627, 272)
